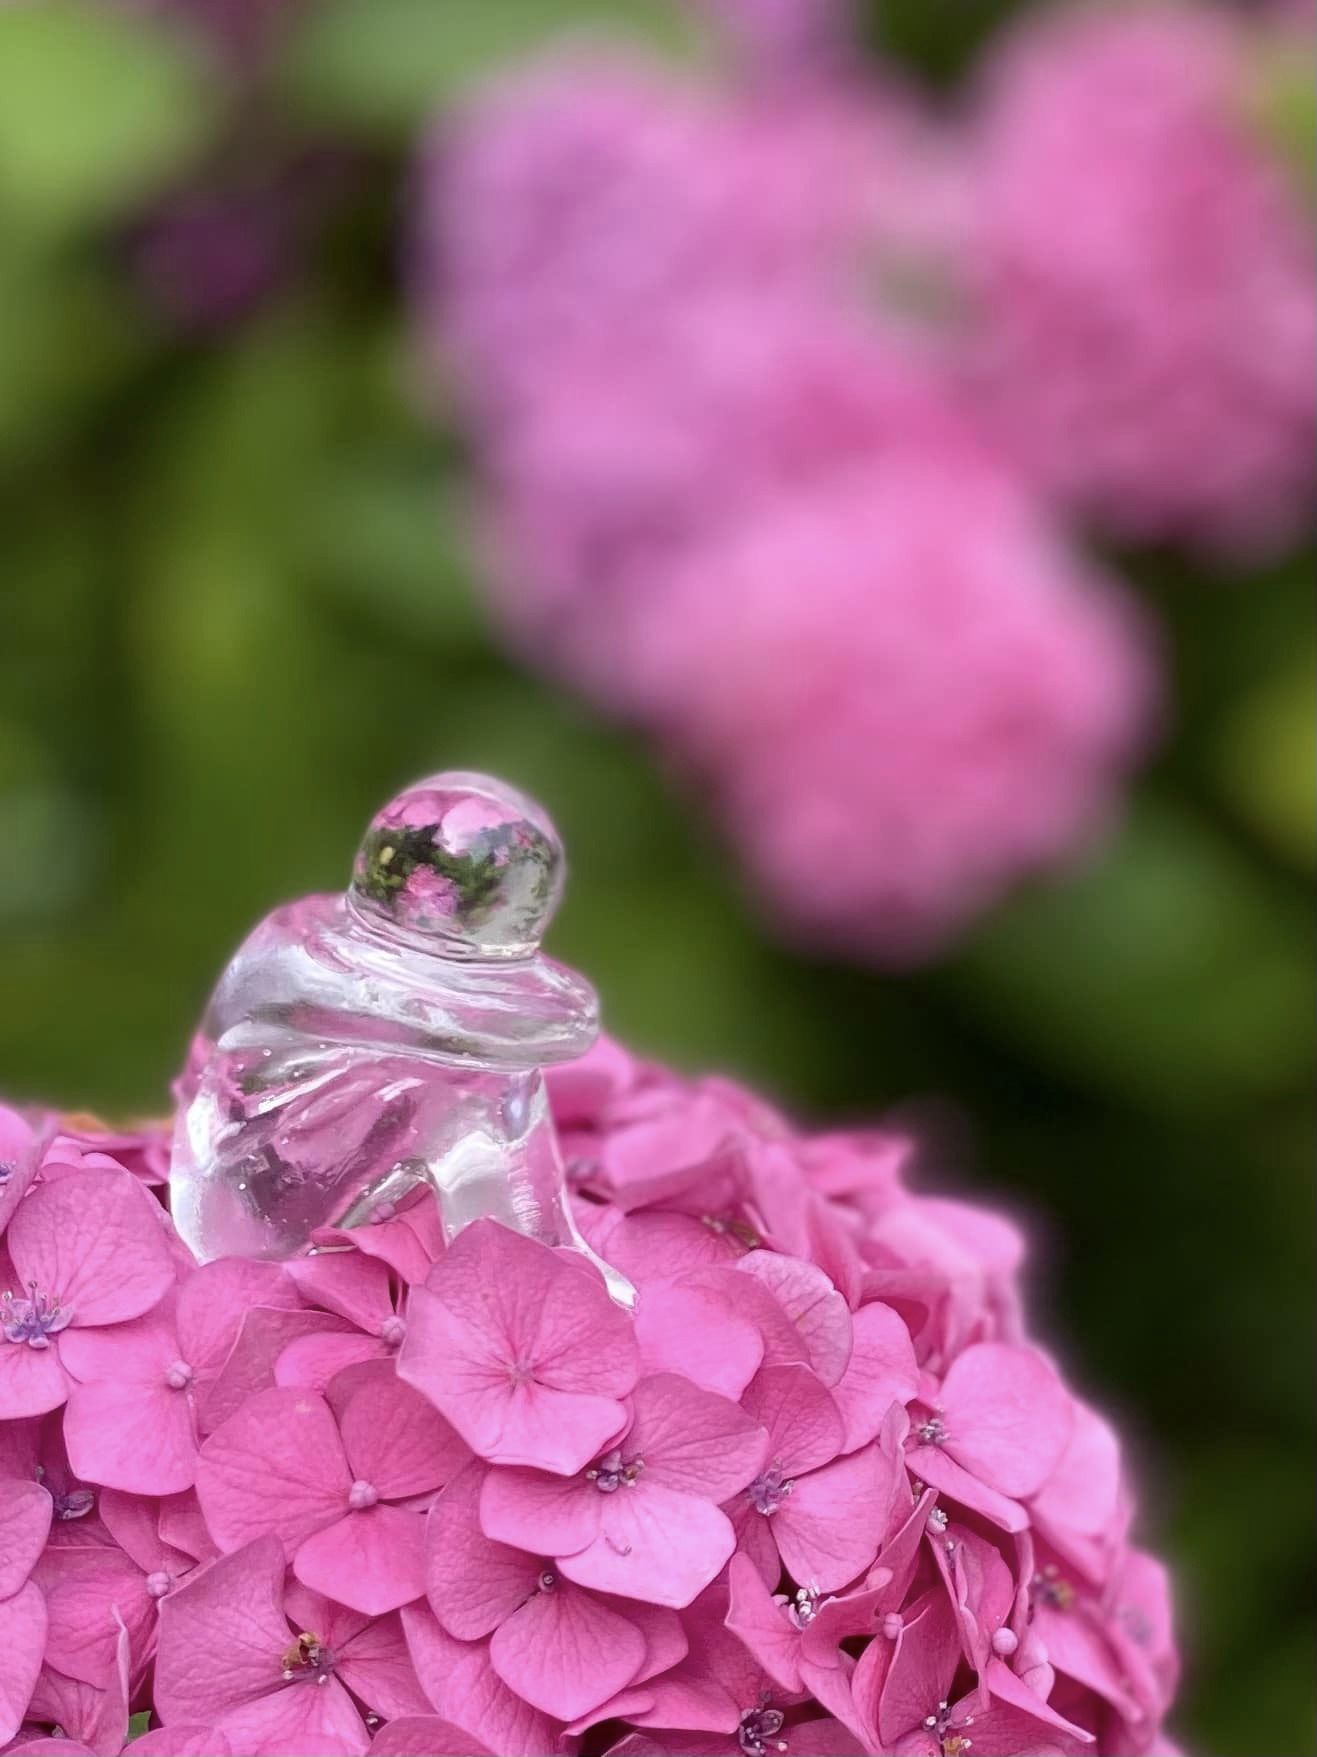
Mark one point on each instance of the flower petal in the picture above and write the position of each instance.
(1083, 1493)
(1018, 1720)
(409, 1244)
(564, 1652)
(22, 1641)
(393, 1437)
(183, 1739)
(706, 1690)
(754, 1539)
(1076, 1647)
(829, 1527)
(682, 1326)
(924, 1661)
(546, 1515)
(97, 1242)
(762, 1623)
(545, 1305)
(692, 1440)
(24, 1522)
(320, 1722)
(263, 1335)
(1008, 1416)
(813, 1305)
(31, 1380)
(804, 1424)
(654, 1544)
(216, 1297)
(275, 1468)
(312, 1361)
(232, 1607)
(472, 1582)
(375, 1665)
(932, 1465)
(825, 1737)
(464, 1688)
(65, 1702)
(90, 1590)
(51, 1748)
(354, 1286)
(373, 1560)
(882, 1371)
(424, 1735)
(182, 1527)
(20, 1155)
(134, 1437)
(133, 1523)
(138, 1352)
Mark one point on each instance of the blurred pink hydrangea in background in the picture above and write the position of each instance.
(585, 201)
(1144, 263)
(822, 1493)
(711, 343)
(782, 37)
(901, 691)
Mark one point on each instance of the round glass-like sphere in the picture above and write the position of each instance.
(465, 860)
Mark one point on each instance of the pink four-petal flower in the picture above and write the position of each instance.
(276, 1672)
(333, 1482)
(86, 1250)
(810, 1510)
(522, 1349)
(560, 1647)
(643, 1519)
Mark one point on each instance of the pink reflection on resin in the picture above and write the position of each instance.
(361, 1049)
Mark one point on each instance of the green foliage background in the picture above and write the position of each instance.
(237, 609)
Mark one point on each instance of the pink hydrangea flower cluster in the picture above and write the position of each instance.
(819, 1494)
(736, 497)
(971, 728)
(1145, 269)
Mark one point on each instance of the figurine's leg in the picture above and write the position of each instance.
(489, 1150)
(617, 1284)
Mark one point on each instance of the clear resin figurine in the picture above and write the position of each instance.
(360, 1047)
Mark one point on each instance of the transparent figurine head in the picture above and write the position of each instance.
(385, 1046)
(464, 863)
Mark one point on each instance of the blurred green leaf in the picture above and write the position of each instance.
(1267, 765)
(1167, 969)
(938, 38)
(97, 109)
(237, 450)
(1283, 105)
(35, 814)
(385, 535)
(65, 339)
(1238, 1575)
(384, 65)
